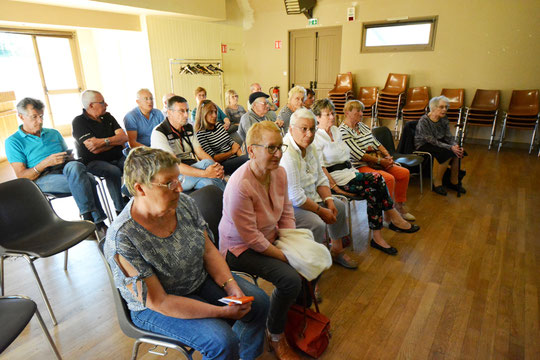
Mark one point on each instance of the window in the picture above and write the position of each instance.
(399, 35)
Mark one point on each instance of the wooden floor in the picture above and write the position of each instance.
(467, 286)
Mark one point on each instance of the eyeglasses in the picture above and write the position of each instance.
(304, 130)
(261, 102)
(98, 102)
(147, 99)
(272, 149)
(171, 185)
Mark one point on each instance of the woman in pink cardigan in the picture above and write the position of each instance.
(255, 206)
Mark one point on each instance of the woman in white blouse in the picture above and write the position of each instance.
(345, 180)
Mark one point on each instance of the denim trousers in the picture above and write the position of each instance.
(288, 284)
(306, 219)
(231, 164)
(77, 182)
(214, 338)
(193, 182)
(112, 172)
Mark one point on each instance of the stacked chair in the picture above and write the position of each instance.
(368, 97)
(522, 114)
(392, 97)
(483, 111)
(455, 110)
(416, 104)
(342, 91)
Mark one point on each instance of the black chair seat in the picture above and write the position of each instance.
(15, 314)
(51, 239)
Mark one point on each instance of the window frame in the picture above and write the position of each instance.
(430, 46)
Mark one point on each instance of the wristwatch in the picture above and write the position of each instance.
(107, 141)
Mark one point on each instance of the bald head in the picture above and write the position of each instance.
(255, 87)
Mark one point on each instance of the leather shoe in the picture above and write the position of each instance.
(440, 190)
(390, 251)
(343, 261)
(456, 187)
(282, 349)
(414, 228)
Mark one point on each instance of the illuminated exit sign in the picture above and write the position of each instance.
(313, 22)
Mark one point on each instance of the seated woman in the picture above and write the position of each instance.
(314, 206)
(255, 206)
(369, 155)
(214, 139)
(433, 136)
(168, 270)
(297, 96)
(345, 180)
(233, 110)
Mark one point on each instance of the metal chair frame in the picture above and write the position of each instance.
(533, 137)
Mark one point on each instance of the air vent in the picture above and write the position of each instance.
(295, 7)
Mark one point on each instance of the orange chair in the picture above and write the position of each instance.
(483, 111)
(391, 99)
(416, 103)
(368, 97)
(342, 91)
(522, 114)
(455, 109)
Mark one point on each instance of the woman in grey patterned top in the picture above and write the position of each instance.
(433, 136)
(170, 273)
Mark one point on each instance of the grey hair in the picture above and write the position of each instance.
(23, 104)
(434, 102)
(302, 113)
(143, 163)
(252, 86)
(297, 90)
(143, 90)
(88, 97)
(322, 104)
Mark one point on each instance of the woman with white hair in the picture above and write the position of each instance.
(297, 96)
(433, 136)
(309, 191)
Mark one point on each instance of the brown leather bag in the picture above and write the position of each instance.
(306, 329)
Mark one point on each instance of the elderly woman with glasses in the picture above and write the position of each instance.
(168, 270)
(433, 136)
(215, 141)
(255, 206)
(309, 191)
(345, 180)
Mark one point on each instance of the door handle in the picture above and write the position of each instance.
(311, 84)
(315, 84)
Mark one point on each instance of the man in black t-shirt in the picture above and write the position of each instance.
(100, 141)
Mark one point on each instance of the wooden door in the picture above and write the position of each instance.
(314, 59)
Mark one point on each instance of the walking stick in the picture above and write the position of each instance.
(460, 143)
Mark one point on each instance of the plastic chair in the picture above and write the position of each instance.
(132, 331)
(416, 103)
(31, 229)
(455, 109)
(406, 146)
(15, 313)
(342, 91)
(384, 136)
(522, 114)
(368, 97)
(483, 111)
(391, 98)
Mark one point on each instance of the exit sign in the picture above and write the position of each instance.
(313, 22)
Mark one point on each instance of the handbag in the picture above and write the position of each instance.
(308, 330)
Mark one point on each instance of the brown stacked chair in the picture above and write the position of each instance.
(455, 110)
(522, 114)
(368, 97)
(483, 111)
(416, 104)
(391, 98)
(342, 91)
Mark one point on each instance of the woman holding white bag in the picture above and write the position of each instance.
(255, 206)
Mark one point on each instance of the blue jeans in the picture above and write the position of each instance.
(112, 172)
(77, 182)
(193, 182)
(214, 338)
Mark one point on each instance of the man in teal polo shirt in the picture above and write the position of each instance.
(41, 155)
(140, 121)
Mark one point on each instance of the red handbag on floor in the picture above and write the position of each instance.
(306, 329)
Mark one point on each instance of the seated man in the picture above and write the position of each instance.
(271, 115)
(258, 112)
(176, 136)
(40, 155)
(140, 121)
(100, 141)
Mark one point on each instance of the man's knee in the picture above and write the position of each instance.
(73, 167)
(224, 345)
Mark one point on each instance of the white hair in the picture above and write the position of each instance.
(434, 102)
(143, 90)
(302, 113)
(88, 96)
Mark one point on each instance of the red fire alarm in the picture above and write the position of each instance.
(223, 48)
(277, 44)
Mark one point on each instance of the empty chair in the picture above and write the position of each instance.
(416, 103)
(455, 109)
(522, 114)
(342, 91)
(15, 313)
(368, 97)
(30, 229)
(483, 111)
(392, 97)
(132, 331)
